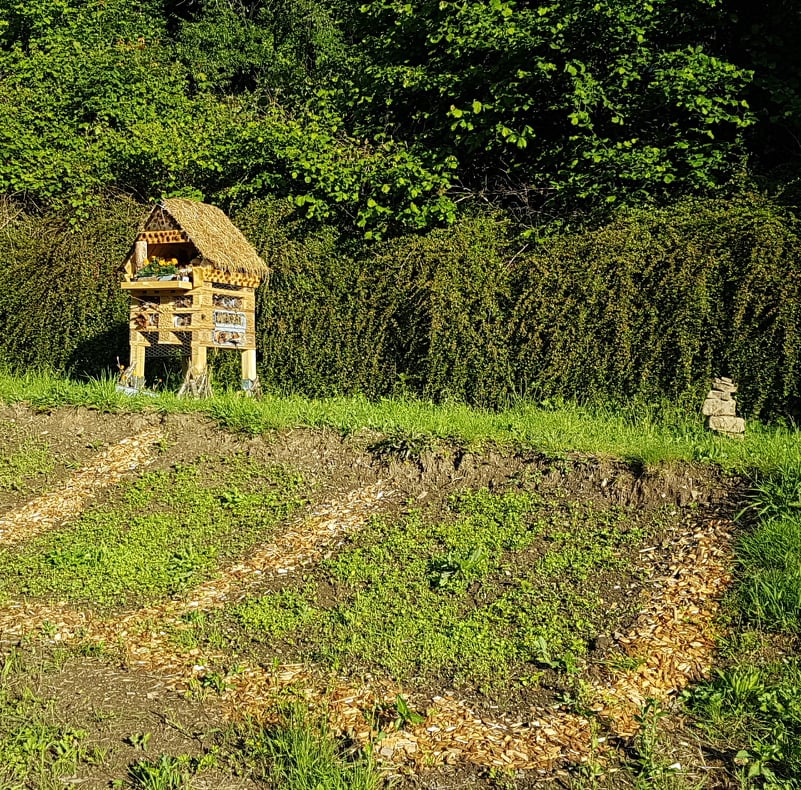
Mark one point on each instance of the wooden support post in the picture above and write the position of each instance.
(199, 363)
(134, 376)
(249, 364)
(250, 378)
(140, 255)
(197, 383)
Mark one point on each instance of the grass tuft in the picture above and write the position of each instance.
(302, 754)
(754, 701)
(769, 553)
(35, 749)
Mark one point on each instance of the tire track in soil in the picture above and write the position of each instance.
(54, 508)
(673, 639)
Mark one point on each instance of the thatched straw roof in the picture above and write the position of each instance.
(214, 235)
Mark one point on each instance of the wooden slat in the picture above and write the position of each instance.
(237, 278)
(156, 285)
(169, 339)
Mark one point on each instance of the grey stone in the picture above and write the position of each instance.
(720, 408)
(721, 394)
(727, 424)
(725, 385)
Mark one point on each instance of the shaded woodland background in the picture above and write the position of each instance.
(477, 200)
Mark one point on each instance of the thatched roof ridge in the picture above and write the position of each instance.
(217, 239)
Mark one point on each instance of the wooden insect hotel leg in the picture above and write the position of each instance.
(197, 383)
(134, 375)
(250, 378)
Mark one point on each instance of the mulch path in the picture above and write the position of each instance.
(143, 632)
(673, 636)
(671, 643)
(54, 508)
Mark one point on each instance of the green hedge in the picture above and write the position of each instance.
(651, 305)
(657, 302)
(423, 315)
(60, 304)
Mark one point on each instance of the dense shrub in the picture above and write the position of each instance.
(420, 314)
(60, 304)
(659, 301)
(318, 333)
(650, 305)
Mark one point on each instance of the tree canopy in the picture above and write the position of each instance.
(387, 115)
(573, 99)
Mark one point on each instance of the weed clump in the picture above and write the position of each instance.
(481, 597)
(753, 701)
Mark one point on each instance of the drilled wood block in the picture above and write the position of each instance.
(163, 236)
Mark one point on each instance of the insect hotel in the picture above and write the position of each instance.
(192, 277)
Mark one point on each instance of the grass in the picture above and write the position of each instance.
(42, 747)
(35, 749)
(753, 711)
(769, 554)
(752, 707)
(165, 773)
(484, 595)
(155, 536)
(648, 434)
(24, 458)
(302, 754)
(405, 596)
(299, 753)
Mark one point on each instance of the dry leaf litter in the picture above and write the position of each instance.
(672, 637)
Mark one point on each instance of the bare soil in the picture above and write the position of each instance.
(115, 703)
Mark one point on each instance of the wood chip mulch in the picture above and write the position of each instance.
(674, 636)
(672, 644)
(299, 546)
(144, 631)
(55, 508)
(451, 732)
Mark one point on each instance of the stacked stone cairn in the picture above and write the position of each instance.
(720, 409)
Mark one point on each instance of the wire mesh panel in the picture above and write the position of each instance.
(157, 350)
